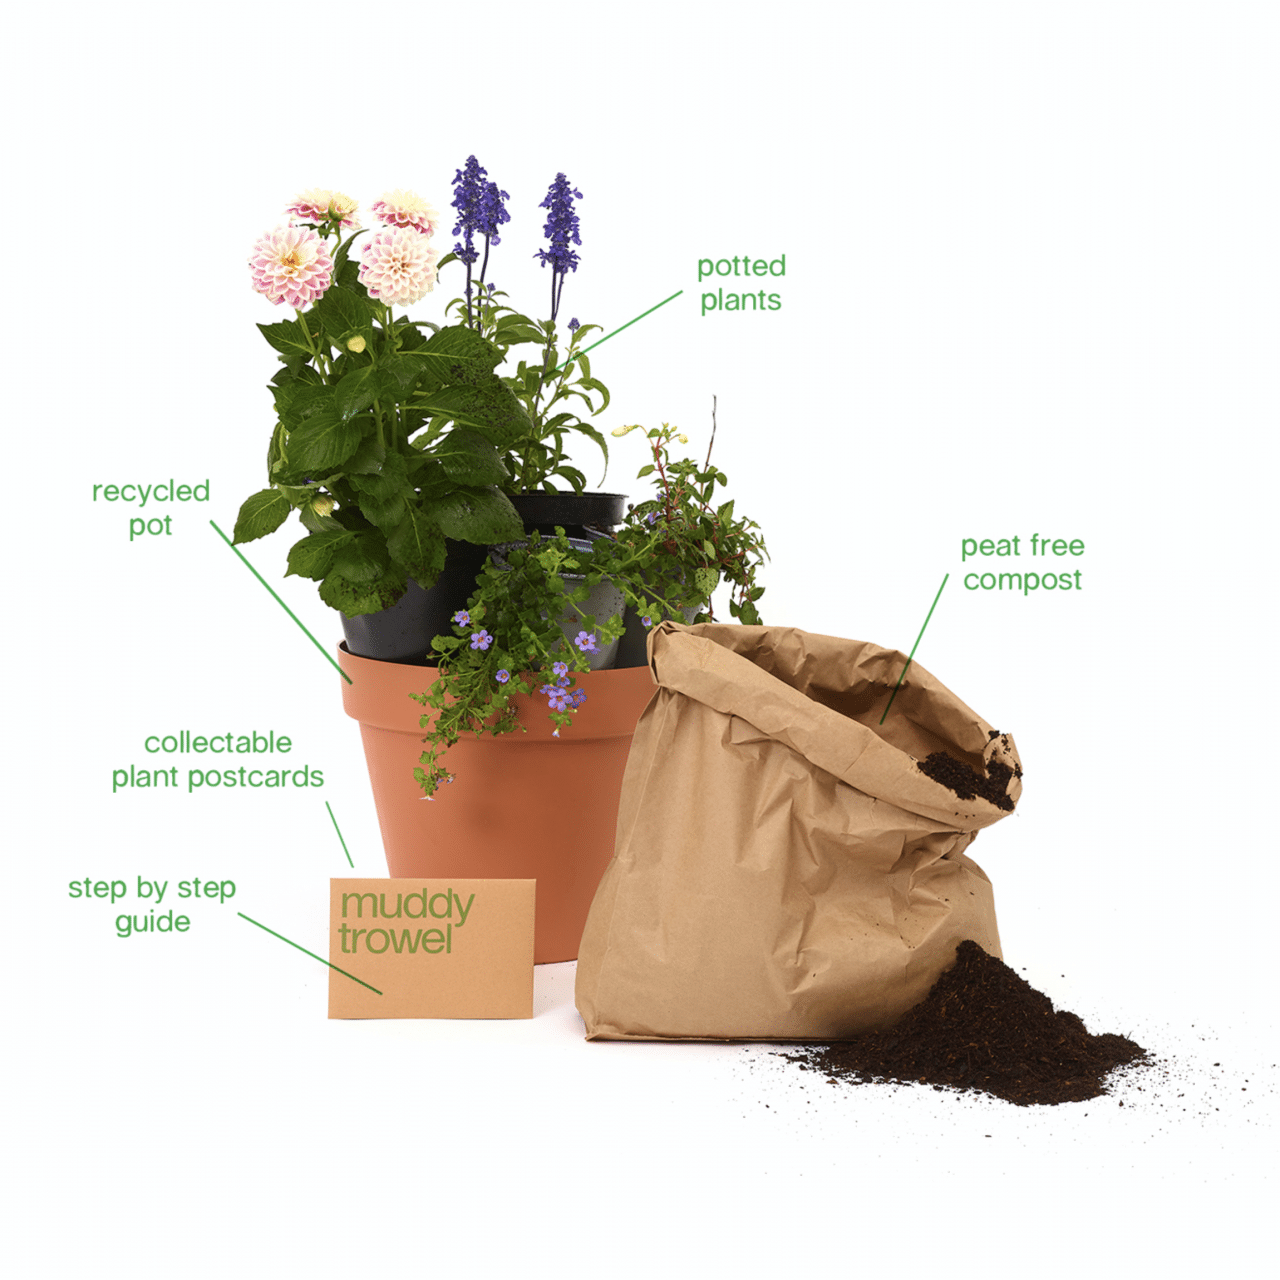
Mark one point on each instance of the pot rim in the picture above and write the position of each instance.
(379, 697)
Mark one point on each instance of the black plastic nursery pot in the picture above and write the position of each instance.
(575, 513)
(403, 633)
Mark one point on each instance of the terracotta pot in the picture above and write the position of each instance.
(522, 806)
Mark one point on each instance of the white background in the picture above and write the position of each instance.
(1032, 286)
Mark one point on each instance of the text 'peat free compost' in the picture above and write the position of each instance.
(1052, 557)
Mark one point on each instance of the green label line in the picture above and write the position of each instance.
(617, 331)
(282, 604)
(915, 646)
(338, 829)
(305, 952)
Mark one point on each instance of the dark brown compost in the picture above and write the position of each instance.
(982, 1028)
(966, 781)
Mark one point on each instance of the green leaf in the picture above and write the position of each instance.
(354, 599)
(344, 252)
(399, 373)
(573, 476)
(490, 407)
(363, 559)
(706, 580)
(410, 338)
(323, 441)
(594, 385)
(382, 495)
(260, 515)
(356, 392)
(287, 338)
(367, 459)
(588, 430)
(348, 277)
(462, 354)
(292, 369)
(469, 458)
(343, 311)
(417, 543)
(509, 332)
(384, 511)
(318, 524)
(646, 470)
(275, 450)
(313, 556)
(391, 477)
(476, 515)
(296, 401)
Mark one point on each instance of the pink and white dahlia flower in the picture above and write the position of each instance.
(291, 264)
(399, 266)
(318, 205)
(404, 209)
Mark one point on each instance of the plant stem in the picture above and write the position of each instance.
(311, 346)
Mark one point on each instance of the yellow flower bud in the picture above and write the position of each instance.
(684, 439)
(355, 344)
(622, 431)
(322, 505)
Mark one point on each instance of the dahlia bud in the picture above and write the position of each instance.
(355, 344)
(322, 504)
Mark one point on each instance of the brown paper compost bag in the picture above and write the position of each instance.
(783, 869)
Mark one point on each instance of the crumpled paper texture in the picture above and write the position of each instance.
(783, 870)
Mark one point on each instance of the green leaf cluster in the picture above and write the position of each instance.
(692, 540)
(548, 389)
(393, 435)
(387, 442)
(668, 558)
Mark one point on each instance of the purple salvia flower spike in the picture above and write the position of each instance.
(561, 230)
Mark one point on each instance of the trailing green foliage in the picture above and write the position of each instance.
(516, 635)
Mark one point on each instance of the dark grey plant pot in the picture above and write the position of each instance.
(604, 601)
(404, 632)
(575, 513)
